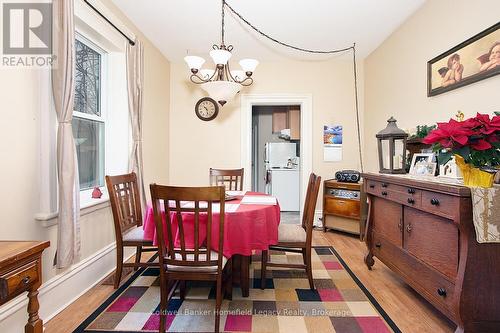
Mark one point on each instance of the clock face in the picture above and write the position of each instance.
(206, 109)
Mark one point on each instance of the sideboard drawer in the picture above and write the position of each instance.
(408, 196)
(432, 285)
(19, 280)
(441, 204)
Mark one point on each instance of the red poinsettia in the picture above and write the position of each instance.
(476, 139)
(449, 133)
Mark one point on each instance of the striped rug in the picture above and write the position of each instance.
(339, 304)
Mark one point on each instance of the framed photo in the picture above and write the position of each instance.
(473, 60)
(423, 165)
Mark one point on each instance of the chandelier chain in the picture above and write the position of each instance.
(222, 26)
(353, 48)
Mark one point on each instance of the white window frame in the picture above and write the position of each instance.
(86, 194)
(118, 138)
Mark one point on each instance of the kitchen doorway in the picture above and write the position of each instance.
(303, 145)
(276, 153)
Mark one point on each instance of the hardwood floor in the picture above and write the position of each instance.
(407, 309)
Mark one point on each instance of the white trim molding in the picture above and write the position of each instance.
(63, 289)
(305, 102)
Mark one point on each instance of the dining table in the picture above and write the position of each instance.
(251, 222)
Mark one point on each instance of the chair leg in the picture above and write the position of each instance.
(182, 289)
(218, 302)
(119, 266)
(306, 254)
(138, 254)
(228, 286)
(265, 256)
(163, 304)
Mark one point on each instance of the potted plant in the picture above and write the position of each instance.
(475, 142)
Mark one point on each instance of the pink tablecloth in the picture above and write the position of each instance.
(247, 227)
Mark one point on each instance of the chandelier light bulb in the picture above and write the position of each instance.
(194, 62)
(249, 65)
(220, 57)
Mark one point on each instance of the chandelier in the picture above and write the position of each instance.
(221, 83)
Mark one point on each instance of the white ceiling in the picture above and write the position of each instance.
(179, 27)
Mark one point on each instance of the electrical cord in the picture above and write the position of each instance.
(353, 48)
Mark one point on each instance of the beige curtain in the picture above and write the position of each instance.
(135, 87)
(63, 85)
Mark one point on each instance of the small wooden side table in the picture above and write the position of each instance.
(20, 271)
(344, 206)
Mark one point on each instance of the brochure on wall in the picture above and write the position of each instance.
(332, 143)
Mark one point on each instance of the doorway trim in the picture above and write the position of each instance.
(305, 102)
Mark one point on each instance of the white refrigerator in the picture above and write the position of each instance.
(283, 178)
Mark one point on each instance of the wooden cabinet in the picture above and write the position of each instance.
(280, 119)
(21, 271)
(287, 117)
(424, 232)
(343, 206)
(294, 122)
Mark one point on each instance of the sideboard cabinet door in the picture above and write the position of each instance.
(432, 239)
(387, 220)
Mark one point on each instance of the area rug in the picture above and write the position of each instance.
(339, 304)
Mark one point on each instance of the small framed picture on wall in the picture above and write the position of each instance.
(423, 165)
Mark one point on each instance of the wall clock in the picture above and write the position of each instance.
(206, 109)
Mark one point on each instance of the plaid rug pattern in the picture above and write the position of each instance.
(339, 304)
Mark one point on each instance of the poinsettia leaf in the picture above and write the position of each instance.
(443, 158)
(497, 113)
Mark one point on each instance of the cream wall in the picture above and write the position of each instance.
(19, 171)
(195, 146)
(396, 72)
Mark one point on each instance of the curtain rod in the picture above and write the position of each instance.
(131, 42)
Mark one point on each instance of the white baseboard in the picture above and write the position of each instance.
(63, 289)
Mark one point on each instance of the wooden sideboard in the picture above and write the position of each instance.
(20, 271)
(423, 231)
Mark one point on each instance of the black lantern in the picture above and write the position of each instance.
(392, 148)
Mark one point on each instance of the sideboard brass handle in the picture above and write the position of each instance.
(409, 228)
(26, 280)
(411, 191)
(411, 201)
(384, 193)
(384, 184)
(372, 186)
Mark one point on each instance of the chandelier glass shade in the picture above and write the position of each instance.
(221, 83)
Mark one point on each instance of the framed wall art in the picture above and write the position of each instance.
(473, 60)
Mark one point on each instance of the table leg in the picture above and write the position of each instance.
(34, 324)
(241, 273)
(245, 276)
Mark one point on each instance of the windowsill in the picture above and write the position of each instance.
(87, 207)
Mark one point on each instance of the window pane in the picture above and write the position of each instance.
(89, 141)
(87, 79)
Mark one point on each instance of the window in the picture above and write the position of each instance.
(88, 119)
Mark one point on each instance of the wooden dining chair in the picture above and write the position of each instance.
(231, 179)
(127, 215)
(296, 238)
(197, 261)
